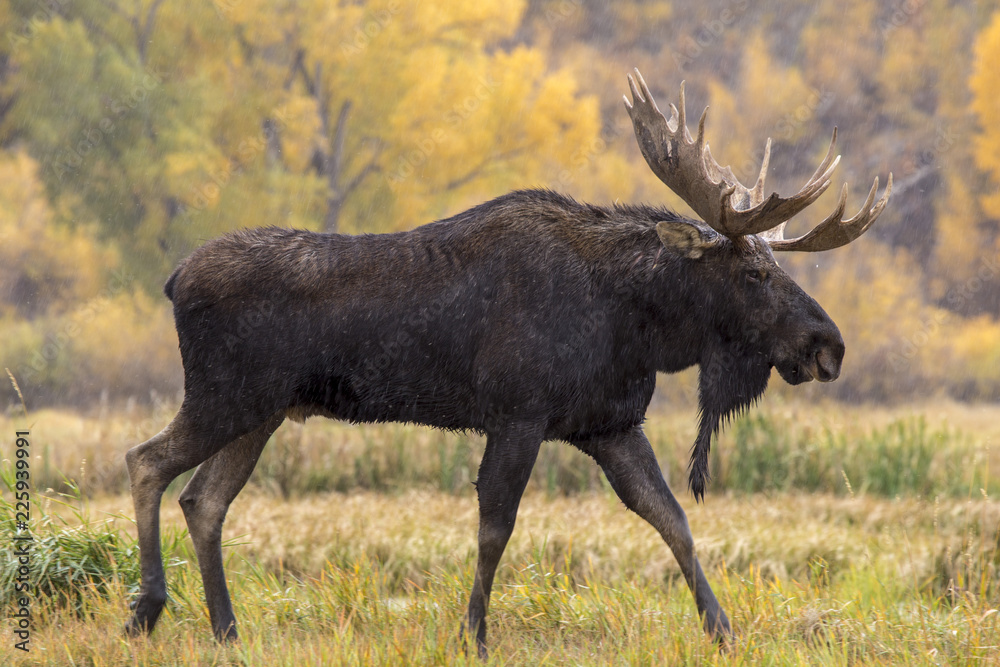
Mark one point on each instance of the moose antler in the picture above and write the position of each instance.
(687, 167)
(834, 231)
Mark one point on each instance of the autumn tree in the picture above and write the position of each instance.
(414, 106)
(46, 267)
(968, 234)
(131, 132)
(985, 85)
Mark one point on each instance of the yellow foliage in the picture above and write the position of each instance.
(22, 339)
(298, 124)
(126, 347)
(44, 266)
(282, 17)
(771, 100)
(896, 342)
(494, 19)
(771, 91)
(882, 303)
(898, 75)
(445, 104)
(957, 239)
(985, 86)
(840, 47)
(726, 129)
(887, 328)
(434, 110)
(120, 342)
(975, 355)
(497, 119)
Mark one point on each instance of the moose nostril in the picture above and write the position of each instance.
(827, 365)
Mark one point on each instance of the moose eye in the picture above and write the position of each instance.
(756, 277)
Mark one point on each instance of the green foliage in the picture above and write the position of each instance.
(46, 266)
(881, 607)
(132, 132)
(72, 559)
(763, 451)
(392, 458)
(764, 454)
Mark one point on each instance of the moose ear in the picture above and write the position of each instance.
(686, 238)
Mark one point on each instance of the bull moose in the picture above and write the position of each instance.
(530, 317)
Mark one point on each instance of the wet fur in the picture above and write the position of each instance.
(530, 304)
(531, 317)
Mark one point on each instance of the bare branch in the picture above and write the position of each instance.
(145, 33)
(371, 167)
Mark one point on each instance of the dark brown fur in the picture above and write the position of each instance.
(531, 317)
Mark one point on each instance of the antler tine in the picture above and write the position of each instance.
(834, 231)
(757, 193)
(829, 163)
(669, 150)
(636, 95)
(687, 167)
(758, 215)
(681, 115)
(811, 191)
(758, 219)
(700, 141)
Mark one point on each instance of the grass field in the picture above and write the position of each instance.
(833, 535)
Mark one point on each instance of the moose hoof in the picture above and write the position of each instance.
(717, 625)
(481, 650)
(227, 635)
(145, 612)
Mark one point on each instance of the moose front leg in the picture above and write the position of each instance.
(630, 465)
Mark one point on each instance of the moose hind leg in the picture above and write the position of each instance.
(182, 445)
(503, 475)
(151, 467)
(148, 481)
(630, 465)
(205, 501)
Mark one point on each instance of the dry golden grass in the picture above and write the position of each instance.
(382, 576)
(415, 532)
(325, 455)
(368, 578)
